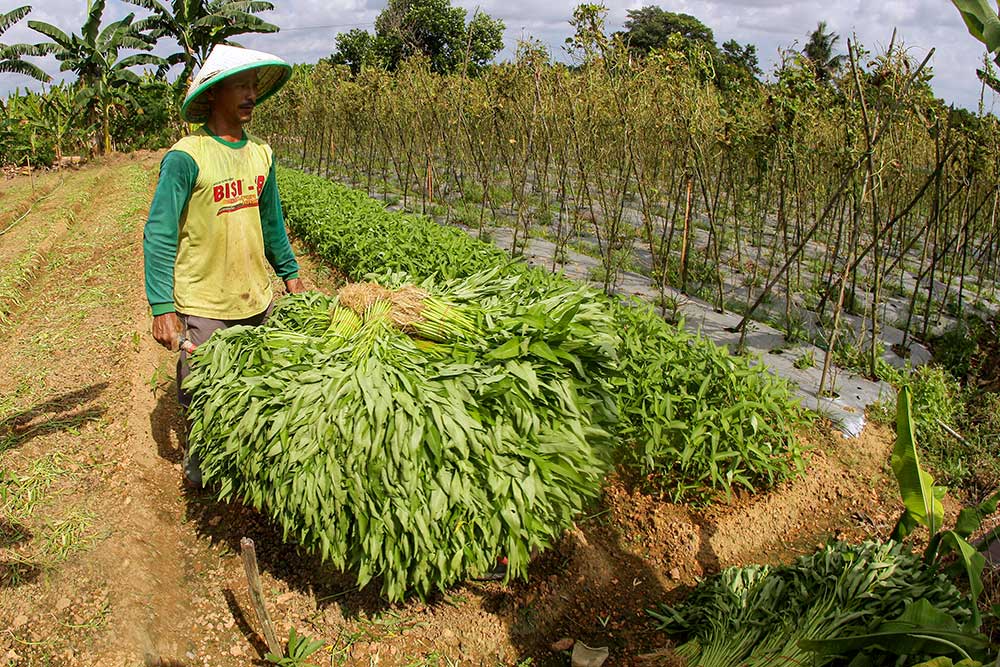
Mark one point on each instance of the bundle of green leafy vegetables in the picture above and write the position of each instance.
(874, 602)
(417, 459)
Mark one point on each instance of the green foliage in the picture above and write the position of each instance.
(45, 126)
(21, 137)
(351, 230)
(650, 28)
(198, 25)
(700, 420)
(147, 119)
(819, 51)
(982, 21)
(920, 630)
(923, 507)
(742, 56)
(356, 49)
(737, 67)
(805, 360)
(916, 486)
(12, 55)
(307, 312)
(982, 432)
(938, 404)
(795, 329)
(93, 55)
(843, 602)
(298, 649)
(429, 28)
(957, 348)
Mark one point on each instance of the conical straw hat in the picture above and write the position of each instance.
(225, 61)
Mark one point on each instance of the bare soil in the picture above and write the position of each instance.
(105, 559)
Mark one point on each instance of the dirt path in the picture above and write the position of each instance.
(101, 572)
(106, 560)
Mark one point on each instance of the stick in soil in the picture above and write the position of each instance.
(249, 554)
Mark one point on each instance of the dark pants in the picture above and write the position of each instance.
(198, 330)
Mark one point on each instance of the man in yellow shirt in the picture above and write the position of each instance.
(215, 222)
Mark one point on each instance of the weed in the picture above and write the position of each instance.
(623, 259)
(22, 493)
(597, 274)
(956, 348)
(298, 649)
(472, 193)
(465, 214)
(92, 622)
(670, 308)
(68, 536)
(806, 360)
(500, 195)
(543, 216)
(14, 280)
(795, 329)
(160, 379)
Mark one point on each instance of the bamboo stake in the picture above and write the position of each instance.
(249, 555)
(838, 192)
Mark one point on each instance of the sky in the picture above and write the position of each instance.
(309, 28)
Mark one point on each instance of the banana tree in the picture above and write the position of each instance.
(983, 24)
(20, 139)
(104, 80)
(11, 54)
(198, 25)
(55, 114)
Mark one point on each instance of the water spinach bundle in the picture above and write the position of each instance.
(873, 602)
(417, 460)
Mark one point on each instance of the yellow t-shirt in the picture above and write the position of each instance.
(221, 269)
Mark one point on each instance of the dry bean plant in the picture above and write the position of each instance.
(832, 210)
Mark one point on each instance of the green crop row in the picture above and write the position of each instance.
(695, 420)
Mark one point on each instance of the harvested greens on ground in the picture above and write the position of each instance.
(874, 598)
(418, 434)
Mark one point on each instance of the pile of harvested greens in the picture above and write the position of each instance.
(415, 433)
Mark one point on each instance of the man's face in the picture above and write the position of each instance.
(235, 97)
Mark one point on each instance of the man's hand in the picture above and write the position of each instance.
(294, 286)
(167, 329)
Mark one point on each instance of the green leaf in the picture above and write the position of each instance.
(916, 486)
(970, 563)
(982, 21)
(920, 629)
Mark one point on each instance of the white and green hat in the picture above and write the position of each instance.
(225, 61)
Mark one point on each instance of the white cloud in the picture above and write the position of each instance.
(309, 28)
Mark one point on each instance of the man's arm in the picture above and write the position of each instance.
(276, 246)
(178, 173)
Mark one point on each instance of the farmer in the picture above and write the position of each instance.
(215, 222)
